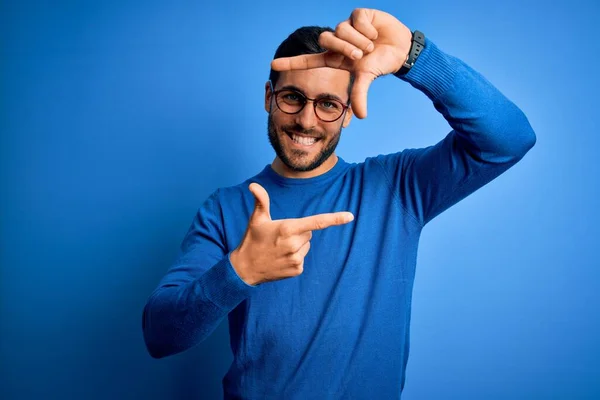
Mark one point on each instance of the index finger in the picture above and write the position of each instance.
(319, 221)
(309, 61)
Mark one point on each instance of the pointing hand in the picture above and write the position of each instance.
(275, 249)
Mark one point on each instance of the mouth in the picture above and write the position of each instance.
(302, 141)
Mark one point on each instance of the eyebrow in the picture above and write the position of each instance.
(320, 96)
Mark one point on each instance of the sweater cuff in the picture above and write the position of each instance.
(434, 71)
(224, 287)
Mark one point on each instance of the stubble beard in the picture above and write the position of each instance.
(297, 161)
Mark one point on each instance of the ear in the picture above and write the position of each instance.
(347, 117)
(268, 94)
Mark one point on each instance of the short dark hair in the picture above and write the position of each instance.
(304, 40)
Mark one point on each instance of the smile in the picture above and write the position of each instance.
(302, 141)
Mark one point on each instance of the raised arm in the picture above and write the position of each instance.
(489, 135)
(198, 291)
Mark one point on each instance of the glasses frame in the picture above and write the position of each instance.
(306, 100)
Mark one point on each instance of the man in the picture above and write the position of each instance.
(313, 259)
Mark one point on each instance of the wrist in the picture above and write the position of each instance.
(240, 266)
(417, 45)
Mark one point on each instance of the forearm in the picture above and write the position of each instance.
(182, 313)
(489, 135)
(488, 125)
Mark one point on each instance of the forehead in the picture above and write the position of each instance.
(316, 81)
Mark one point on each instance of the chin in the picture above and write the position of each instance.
(299, 163)
(305, 167)
(296, 159)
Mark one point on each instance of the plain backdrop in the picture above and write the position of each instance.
(118, 118)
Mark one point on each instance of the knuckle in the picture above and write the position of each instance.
(358, 14)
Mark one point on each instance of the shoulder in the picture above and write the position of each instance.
(235, 194)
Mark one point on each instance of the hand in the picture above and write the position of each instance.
(274, 250)
(370, 44)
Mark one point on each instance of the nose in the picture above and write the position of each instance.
(306, 118)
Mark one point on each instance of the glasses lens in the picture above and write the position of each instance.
(329, 109)
(290, 101)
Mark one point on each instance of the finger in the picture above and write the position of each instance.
(305, 61)
(346, 31)
(347, 41)
(294, 243)
(360, 89)
(319, 221)
(305, 236)
(362, 20)
(308, 61)
(261, 204)
(304, 249)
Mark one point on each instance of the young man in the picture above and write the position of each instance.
(313, 259)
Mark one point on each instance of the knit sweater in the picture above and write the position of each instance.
(340, 329)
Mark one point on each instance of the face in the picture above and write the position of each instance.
(294, 158)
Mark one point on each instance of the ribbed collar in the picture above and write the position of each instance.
(340, 166)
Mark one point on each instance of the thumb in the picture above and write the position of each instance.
(359, 93)
(261, 204)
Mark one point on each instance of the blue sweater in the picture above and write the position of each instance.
(340, 330)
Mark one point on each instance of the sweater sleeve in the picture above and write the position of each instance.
(198, 291)
(488, 135)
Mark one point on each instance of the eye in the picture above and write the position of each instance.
(330, 105)
(291, 96)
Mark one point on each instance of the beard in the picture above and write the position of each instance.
(296, 159)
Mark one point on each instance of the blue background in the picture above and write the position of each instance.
(119, 118)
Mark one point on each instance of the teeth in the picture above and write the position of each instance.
(303, 140)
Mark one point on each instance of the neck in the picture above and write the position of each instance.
(283, 170)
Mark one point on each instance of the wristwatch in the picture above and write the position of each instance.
(418, 44)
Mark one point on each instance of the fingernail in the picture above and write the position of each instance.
(370, 47)
(356, 54)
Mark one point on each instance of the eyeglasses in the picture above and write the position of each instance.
(292, 102)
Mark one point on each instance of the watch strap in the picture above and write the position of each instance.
(417, 45)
